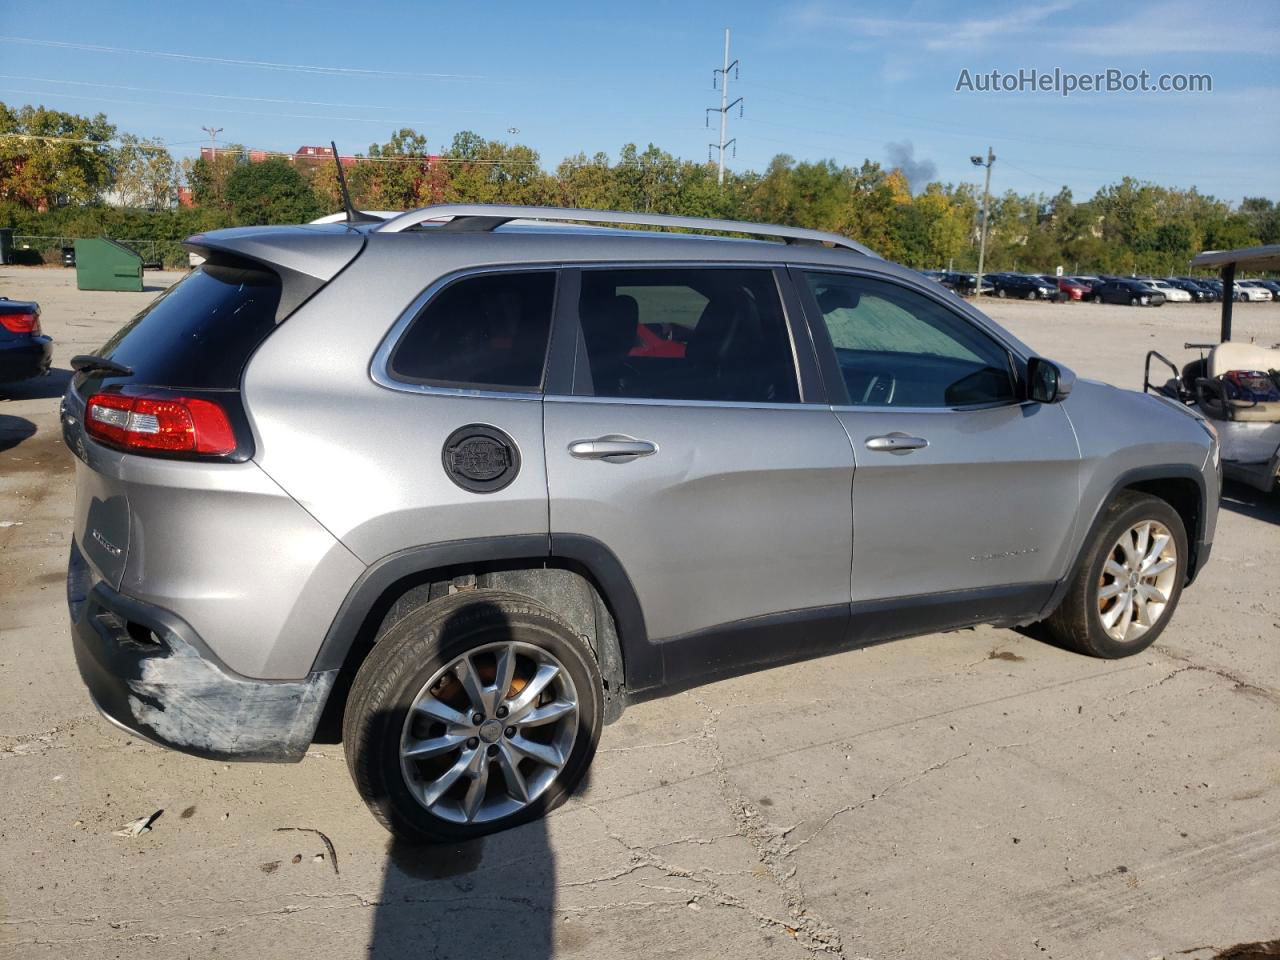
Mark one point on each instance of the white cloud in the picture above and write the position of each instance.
(1177, 26)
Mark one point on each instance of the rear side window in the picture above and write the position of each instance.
(713, 334)
(200, 332)
(484, 332)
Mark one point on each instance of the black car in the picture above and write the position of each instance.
(962, 283)
(1023, 286)
(1199, 293)
(24, 350)
(1132, 292)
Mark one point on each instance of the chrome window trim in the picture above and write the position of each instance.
(380, 371)
(380, 365)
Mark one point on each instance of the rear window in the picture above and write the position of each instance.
(200, 332)
(486, 332)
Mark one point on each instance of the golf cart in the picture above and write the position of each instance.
(1236, 386)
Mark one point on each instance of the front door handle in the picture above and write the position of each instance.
(613, 448)
(896, 443)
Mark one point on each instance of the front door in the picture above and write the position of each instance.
(692, 449)
(964, 496)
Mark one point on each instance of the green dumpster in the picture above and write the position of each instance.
(103, 264)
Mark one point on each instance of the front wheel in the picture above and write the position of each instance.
(474, 713)
(1127, 582)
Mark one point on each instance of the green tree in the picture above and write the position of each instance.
(271, 192)
(207, 175)
(49, 158)
(145, 173)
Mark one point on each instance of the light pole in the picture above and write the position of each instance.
(982, 235)
(213, 140)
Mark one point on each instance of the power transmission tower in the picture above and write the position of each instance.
(722, 76)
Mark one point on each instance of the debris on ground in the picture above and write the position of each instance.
(333, 853)
(10, 523)
(270, 867)
(135, 828)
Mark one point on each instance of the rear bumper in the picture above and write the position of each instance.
(149, 673)
(26, 358)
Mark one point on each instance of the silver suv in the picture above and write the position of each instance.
(471, 479)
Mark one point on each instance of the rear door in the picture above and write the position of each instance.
(693, 442)
(964, 496)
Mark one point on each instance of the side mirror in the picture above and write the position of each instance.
(1047, 382)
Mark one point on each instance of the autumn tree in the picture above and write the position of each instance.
(49, 158)
(145, 173)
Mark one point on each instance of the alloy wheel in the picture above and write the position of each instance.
(1137, 580)
(489, 732)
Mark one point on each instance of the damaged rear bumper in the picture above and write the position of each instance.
(151, 674)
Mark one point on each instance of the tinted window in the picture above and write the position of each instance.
(201, 331)
(488, 331)
(687, 334)
(899, 348)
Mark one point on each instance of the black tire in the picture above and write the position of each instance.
(1077, 623)
(402, 663)
(1001, 293)
(1133, 301)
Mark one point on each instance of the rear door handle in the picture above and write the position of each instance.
(896, 443)
(615, 449)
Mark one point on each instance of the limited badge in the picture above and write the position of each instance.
(480, 458)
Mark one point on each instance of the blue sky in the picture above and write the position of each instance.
(819, 79)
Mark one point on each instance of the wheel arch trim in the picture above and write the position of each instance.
(1126, 481)
(591, 558)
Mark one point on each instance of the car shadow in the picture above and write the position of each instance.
(14, 430)
(53, 384)
(1251, 502)
(491, 896)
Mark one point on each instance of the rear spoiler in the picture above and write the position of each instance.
(305, 258)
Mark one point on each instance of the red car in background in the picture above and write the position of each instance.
(1070, 289)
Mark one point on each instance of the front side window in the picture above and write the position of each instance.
(898, 348)
(706, 334)
(485, 332)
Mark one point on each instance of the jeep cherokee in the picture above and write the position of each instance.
(473, 478)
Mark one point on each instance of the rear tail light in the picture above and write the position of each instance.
(160, 424)
(20, 322)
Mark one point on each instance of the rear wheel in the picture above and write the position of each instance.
(1127, 582)
(1001, 293)
(476, 712)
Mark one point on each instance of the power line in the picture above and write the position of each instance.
(725, 106)
(192, 93)
(226, 61)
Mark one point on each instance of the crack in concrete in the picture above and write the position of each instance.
(814, 933)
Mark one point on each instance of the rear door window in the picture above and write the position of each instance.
(201, 331)
(710, 334)
(486, 332)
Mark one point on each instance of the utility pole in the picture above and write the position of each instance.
(982, 235)
(722, 75)
(213, 140)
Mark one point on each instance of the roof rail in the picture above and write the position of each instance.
(482, 217)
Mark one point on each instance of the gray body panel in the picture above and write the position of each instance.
(742, 511)
(990, 501)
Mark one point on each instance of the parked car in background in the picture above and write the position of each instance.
(1270, 285)
(1070, 289)
(1089, 283)
(25, 351)
(1171, 293)
(1199, 294)
(963, 283)
(1023, 286)
(1135, 293)
(1251, 291)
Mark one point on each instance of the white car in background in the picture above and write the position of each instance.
(1171, 293)
(1248, 290)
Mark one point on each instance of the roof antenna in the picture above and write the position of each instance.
(353, 215)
